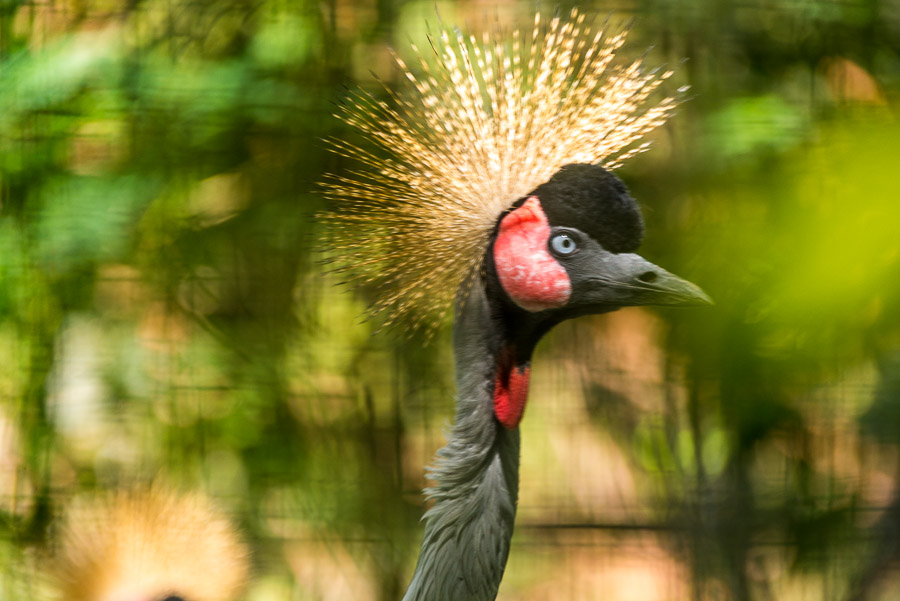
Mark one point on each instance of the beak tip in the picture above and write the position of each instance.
(705, 299)
(688, 294)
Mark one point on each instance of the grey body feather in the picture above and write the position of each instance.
(476, 477)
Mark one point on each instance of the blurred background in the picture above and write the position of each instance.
(162, 310)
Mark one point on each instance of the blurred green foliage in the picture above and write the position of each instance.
(162, 308)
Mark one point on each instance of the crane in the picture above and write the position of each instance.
(149, 544)
(490, 188)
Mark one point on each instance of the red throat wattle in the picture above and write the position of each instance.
(529, 274)
(510, 389)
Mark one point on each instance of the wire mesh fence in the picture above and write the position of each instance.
(165, 315)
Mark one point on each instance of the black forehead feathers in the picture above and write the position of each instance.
(593, 200)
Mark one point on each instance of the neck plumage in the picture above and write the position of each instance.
(476, 475)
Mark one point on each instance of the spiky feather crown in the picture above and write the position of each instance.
(149, 544)
(484, 123)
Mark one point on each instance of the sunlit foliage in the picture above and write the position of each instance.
(163, 309)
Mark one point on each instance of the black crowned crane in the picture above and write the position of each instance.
(490, 185)
(149, 544)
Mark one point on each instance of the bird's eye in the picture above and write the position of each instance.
(563, 244)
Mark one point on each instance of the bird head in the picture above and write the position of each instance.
(562, 251)
(566, 249)
(492, 165)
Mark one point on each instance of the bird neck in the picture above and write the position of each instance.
(476, 475)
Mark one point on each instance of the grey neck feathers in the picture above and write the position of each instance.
(476, 477)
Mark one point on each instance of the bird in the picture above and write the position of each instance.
(487, 186)
(148, 543)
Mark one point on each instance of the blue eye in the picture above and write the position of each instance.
(563, 244)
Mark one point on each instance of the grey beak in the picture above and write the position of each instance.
(629, 279)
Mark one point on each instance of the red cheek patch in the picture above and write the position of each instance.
(529, 274)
